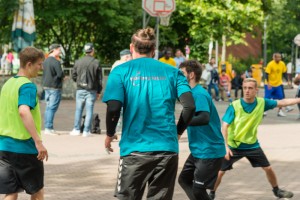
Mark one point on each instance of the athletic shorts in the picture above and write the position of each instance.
(256, 157)
(157, 169)
(202, 172)
(19, 172)
(274, 92)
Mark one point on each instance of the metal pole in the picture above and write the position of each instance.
(265, 41)
(217, 53)
(157, 38)
(144, 19)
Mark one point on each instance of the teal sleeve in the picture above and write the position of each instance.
(182, 84)
(114, 88)
(270, 104)
(202, 103)
(229, 115)
(27, 95)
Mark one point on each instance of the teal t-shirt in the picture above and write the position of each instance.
(148, 90)
(206, 141)
(248, 107)
(27, 96)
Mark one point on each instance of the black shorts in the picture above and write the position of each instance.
(203, 173)
(256, 157)
(157, 169)
(19, 172)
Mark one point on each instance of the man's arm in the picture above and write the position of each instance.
(58, 70)
(26, 116)
(287, 102)
(285, 76)
(201, 118)
(187, 101)
(112, 117)
(74, 72)
(99, 74)
(225, 135)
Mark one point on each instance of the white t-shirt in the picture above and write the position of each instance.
(289, 68)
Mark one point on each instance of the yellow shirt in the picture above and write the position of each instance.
(275, 71)
(170, 61)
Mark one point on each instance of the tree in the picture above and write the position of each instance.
(212, 19)
(106, 23)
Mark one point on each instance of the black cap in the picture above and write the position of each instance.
(125, 52)
(88, 47)
(53, 46)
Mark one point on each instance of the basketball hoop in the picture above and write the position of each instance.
(165, 20)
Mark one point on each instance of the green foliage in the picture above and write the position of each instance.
(7, 9)
(208, 19)
(283, 25)
(241, 65)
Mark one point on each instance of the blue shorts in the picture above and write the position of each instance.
(274, 93)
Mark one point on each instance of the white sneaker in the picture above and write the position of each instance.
(265, 114)
(86, 134)
(281, 114)
(50, 132)
(75, 132)
(289, 108)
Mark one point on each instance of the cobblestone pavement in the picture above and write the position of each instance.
(79, 168)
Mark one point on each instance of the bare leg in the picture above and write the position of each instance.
(219, 179)
(13, 196)
(271, 176)
(38, 196)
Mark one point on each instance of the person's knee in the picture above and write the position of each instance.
(38, 195)
(221, 173)
(267, 169)
(13, 196)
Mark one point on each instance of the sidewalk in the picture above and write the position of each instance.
(79, 168)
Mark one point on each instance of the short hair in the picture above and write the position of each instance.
(143, 40)
(30, 54)
(250, 80)
(192, 66)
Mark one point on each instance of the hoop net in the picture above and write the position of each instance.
(165, 20)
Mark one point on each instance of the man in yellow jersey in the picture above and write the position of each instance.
(273, 87)
(239, 129)
(168, 59)
(21, 149)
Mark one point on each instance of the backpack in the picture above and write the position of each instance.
(95, 124)
(214, 75)
(83, 81)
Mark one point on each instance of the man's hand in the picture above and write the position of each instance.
(228, 153)
(179, 136)
(269, 87)
(42, 151)
(107, 144)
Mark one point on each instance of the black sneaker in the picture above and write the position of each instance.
(283, 193)
(212, 196)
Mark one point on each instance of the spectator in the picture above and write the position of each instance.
(225, 85)
(179, 57)
(167, 58)
(87, 74)
(52, 82)
(125, 55)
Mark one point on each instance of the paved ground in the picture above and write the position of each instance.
(79, 168)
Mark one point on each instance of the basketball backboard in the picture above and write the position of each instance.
(159, 8)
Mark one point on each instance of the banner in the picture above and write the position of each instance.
(23, 29)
